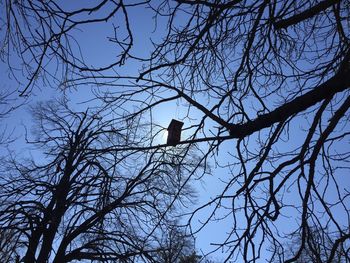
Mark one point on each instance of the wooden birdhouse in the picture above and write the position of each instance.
(174, 132)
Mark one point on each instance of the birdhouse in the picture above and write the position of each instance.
(174, 132)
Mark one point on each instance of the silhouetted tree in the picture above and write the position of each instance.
(176, 244)
(263, 88)
(317, 249)
(80, 199)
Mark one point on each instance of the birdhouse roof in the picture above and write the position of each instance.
(175, 124)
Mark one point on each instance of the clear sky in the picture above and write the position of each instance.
(98, 50)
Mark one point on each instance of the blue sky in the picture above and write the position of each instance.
(97, 50)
